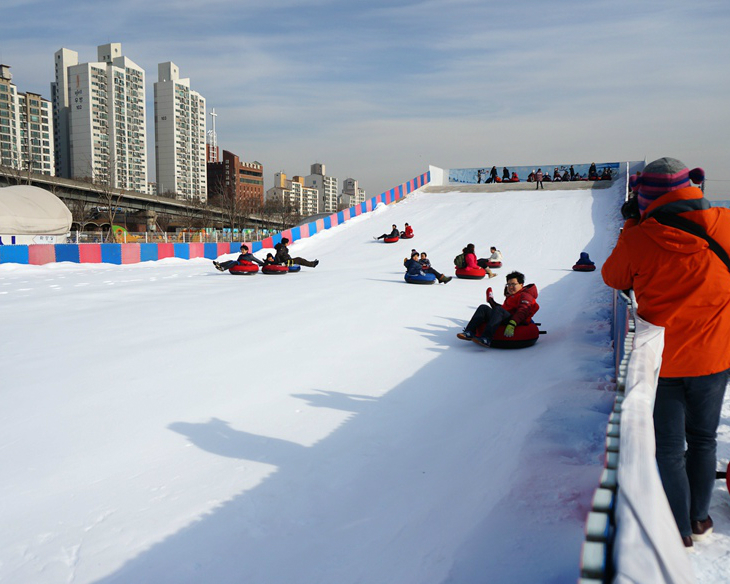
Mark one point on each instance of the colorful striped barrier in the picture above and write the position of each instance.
(132, 253)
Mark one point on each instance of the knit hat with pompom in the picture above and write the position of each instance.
(661, 177)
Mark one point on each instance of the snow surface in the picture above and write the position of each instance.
(166, 423)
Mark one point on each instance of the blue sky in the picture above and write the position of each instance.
(378, 90)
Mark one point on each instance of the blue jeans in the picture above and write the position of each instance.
(688, 409)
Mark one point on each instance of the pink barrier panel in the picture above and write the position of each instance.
(369, 205)
(197, 250)
(333, 220)
(346, 214)
(320, 225)
(267, 243)
(224, 248)
(90, 253)
(40, 254)
(131, 253)
(304, 231)
(165, 250)
(287, 234)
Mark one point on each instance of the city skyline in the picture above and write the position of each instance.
(379, 92)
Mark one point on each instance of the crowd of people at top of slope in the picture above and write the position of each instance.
(560, 174)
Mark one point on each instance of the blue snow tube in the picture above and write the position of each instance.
(295, 268)
(420, 279)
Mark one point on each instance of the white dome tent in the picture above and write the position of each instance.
(31, 215)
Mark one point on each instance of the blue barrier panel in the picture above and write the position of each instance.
(148, 252)
(210, 250)
(363, 208)
(296, 233)
(111, 253)
(256, 246)
(182, 251)
(67, 252)
(327, 222)
(340, 218)
(312, 228)
(275, 239)
(13, 254)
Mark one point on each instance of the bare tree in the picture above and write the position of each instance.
(82, 211)
(224, 196)
(18, 175)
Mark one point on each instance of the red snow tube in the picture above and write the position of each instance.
(406, 236)
(274, 269)
(494, 264)
(390, 239)
(526, 335)
(245, 268)
(471, 273)
(583, 268)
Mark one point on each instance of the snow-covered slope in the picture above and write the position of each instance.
(164, 422)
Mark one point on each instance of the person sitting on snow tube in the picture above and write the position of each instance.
(414, 269)
(408, 233)
(282, 256)
(584, 263)
(493, 261)
(271, 266)
(394, 234)
(519, 307)
(244, 257)
(470, 258)
(425, 262)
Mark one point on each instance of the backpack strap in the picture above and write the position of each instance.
(684, 224)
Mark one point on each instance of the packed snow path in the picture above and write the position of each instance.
(164, 422)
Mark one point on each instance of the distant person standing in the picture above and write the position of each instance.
(673, 252)
(505, 174)
(493, 175)
(538, 179)
(592, 172)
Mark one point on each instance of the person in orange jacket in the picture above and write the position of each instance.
(684, 286)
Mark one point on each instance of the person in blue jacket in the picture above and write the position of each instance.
(584, 260)
(414, 267)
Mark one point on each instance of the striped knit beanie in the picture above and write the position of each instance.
(662, 176)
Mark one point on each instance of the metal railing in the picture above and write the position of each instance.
(204, 236)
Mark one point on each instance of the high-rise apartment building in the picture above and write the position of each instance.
(294, 192)
(99, 108)
(26, 128)
(326, 187)
(180, 148)
(245, 180)
(352, 194)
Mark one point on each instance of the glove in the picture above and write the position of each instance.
(509, 330)
(630, 209)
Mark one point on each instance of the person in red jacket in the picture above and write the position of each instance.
(407, 233)
(519, 306)
(470, 258)
(682, 285)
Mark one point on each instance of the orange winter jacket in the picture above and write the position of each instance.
(679, 282)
